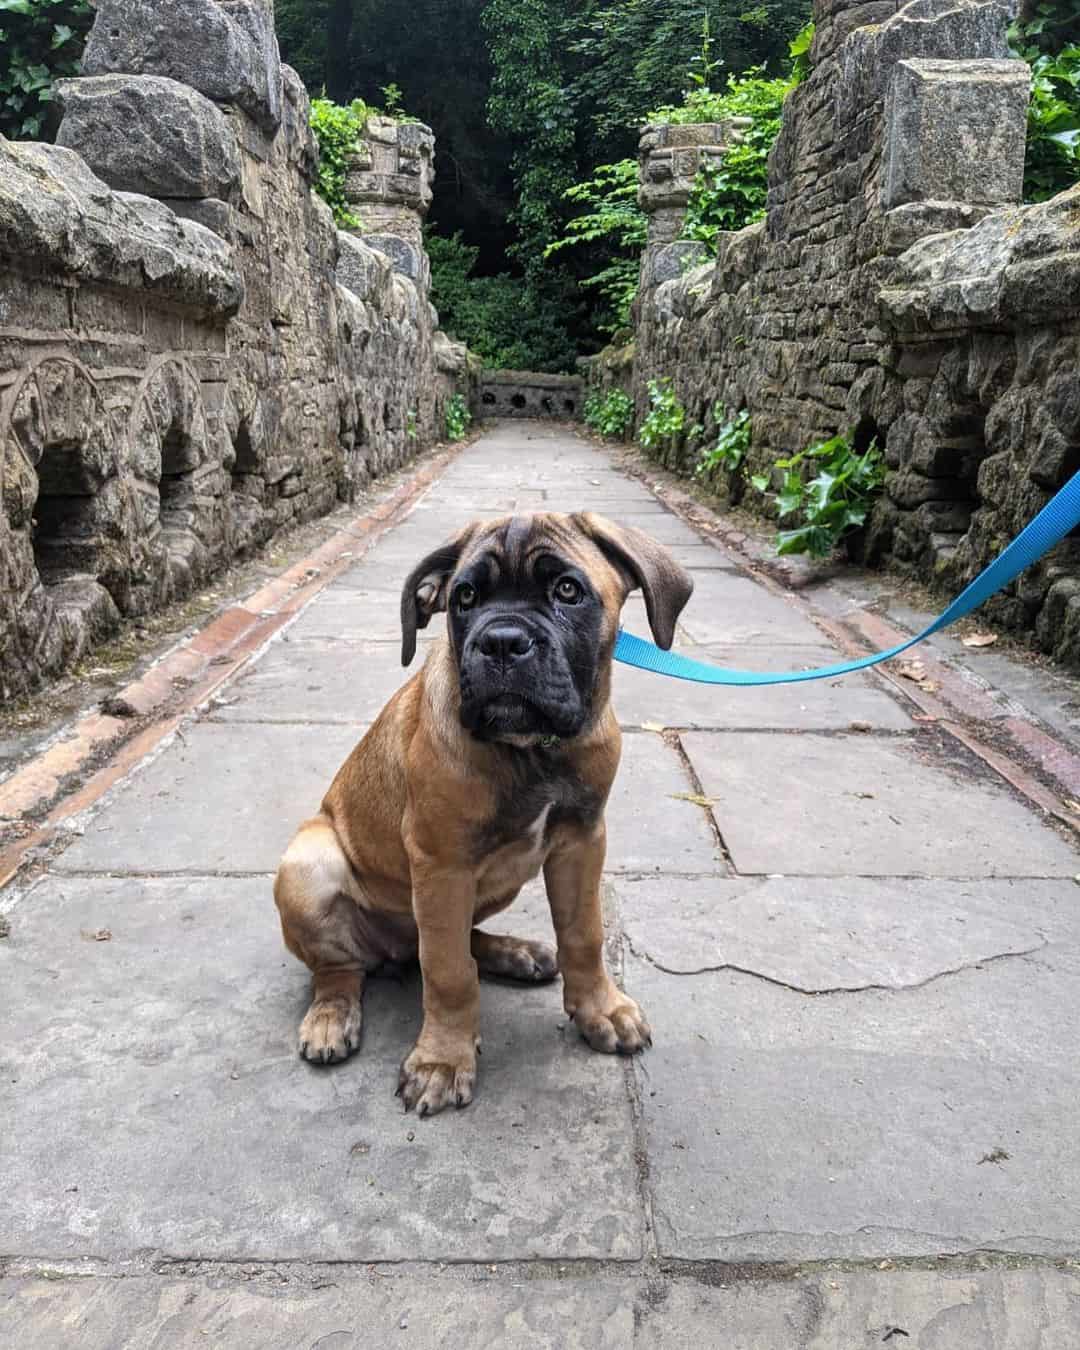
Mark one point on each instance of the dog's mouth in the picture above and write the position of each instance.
(511, 714)
(507, 716)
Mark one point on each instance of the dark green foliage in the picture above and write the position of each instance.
(832, 503)
(436, 54)
(611, 231)
(1047, 36)
(633, 55)
(609, 414)
(40, 41)
(507, 325)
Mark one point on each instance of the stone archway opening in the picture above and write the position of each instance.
(245, 469)
(63, 527)
(176, 488)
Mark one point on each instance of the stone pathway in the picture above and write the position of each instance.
(861, 961)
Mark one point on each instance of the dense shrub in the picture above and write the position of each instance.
(507, 324)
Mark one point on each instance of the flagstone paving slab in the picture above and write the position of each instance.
(857, 805)
(783, 1126)
(162, 1106)
(821, 935)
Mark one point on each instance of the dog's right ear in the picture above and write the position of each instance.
(424, 592)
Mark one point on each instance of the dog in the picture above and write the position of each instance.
(493, 762)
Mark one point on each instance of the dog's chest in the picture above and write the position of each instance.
(510, 865)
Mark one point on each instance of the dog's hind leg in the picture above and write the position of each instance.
(319, 924)
(511, 958)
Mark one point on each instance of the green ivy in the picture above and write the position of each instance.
(609, 414)
(458, 417)
(41, 42)
(731, 447)
(666, 418)
(831, 504)
(733, 194)
(339, 129)
(799, 50)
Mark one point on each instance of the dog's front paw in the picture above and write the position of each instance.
(430, 1083)
(331, 1030)
(610, 1021)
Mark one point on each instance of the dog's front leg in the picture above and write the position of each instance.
(605, 1016)
(440, 1070)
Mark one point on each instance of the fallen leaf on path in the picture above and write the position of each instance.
(1071, 804)
(652, 726)
(979, 640)
(915, 671)
(97, 934)
(695, 797)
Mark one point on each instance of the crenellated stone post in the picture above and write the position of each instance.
(669, 160)
(388, 186)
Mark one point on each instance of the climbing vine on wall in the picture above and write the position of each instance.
(40, 42)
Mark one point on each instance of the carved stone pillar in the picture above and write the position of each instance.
(388, 187)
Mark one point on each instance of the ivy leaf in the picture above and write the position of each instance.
(61, 34)
(16, 6)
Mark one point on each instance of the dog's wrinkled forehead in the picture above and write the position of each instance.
(508, 548)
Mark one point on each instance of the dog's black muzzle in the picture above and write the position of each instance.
(516, 681)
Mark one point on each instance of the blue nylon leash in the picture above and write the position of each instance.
(1060, 515)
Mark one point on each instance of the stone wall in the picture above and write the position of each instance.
(894, 291)
(527, 393)
(191, 355)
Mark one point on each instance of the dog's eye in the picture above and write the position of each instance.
(568, 591)
(466, 597)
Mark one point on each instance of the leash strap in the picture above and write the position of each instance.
(1060, 515)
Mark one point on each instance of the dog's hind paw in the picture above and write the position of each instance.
(511, 958)
(331, 1030)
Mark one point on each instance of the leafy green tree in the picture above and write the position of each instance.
(613, 229)
(633, 55)
(40, 41)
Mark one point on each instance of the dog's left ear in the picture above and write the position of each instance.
(644, 563)
(424, 592)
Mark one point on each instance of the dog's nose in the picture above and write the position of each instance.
(505, 642)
